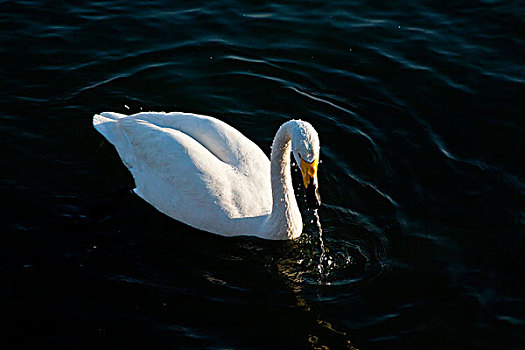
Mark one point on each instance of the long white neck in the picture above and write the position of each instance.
(285, 220)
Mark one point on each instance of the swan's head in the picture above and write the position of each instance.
(305, 149)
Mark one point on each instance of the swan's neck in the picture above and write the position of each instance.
(285, 220)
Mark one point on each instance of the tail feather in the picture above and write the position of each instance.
(105, 123)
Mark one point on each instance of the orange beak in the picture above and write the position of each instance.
(309, 172)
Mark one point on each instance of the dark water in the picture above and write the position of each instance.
(419, 107)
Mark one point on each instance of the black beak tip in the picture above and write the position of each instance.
(312, 196)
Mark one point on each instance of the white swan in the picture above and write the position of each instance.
(203, 172)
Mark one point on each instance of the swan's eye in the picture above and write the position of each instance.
(300, 155)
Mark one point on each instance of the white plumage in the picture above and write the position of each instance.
(203, 172)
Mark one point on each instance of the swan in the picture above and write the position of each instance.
(204, 173)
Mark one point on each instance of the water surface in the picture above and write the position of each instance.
(419, 107)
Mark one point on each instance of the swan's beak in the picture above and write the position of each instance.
(309, 172)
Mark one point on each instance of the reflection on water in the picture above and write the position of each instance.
(318, 259)
(313, 267)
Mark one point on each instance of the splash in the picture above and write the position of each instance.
(324, 259)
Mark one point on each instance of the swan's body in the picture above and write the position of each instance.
(203, 172)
